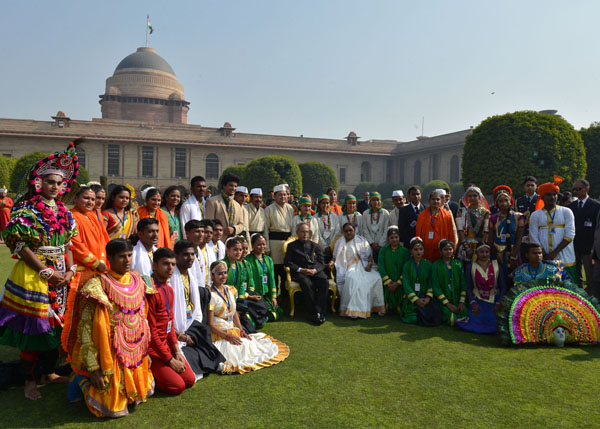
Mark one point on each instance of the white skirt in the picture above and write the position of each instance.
(361, 293)
(258, 352)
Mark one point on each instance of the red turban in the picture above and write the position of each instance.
(503, 189)
(546, 188)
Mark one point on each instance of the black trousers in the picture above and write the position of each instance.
(315, 290)
(280, 278)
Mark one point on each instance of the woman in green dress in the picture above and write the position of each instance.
(171, 204)
(449, 285)
(416, 282)
(264, 275)
(392, 258)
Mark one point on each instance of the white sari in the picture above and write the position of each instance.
(361, 291)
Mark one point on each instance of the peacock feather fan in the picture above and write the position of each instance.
(529, 312)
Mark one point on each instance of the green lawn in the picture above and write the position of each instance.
(373, 373)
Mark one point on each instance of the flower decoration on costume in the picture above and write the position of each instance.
(63, 164)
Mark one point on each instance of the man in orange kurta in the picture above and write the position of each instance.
(433, 225)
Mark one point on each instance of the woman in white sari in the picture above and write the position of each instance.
(359, 286)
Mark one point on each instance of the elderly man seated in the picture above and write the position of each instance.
(305, 259)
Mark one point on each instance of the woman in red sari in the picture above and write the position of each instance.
(6, 204)
(152, 209)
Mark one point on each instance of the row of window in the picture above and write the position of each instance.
(143, 100)
(435, 160)
(148, 164)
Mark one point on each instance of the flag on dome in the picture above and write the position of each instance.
(150, 28)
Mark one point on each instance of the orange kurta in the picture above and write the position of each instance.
(433, 229)
(164, 233)
(89, 246)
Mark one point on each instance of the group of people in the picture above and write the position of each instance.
(161, 294)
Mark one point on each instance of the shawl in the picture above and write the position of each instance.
(182, 323)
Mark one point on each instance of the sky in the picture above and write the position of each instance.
(320, 68)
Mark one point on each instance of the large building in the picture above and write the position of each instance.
(143, 139)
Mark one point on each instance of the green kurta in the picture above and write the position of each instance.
(238, 277)
(411, 276)
(267, 290)
(390, 264)
(453, 291)
(174, 226)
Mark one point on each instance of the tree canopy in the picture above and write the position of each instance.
(591, 141)
(269, 171)
(317, 177)
(18, 179)
(238, 170)
(504, 149)
(432, 186)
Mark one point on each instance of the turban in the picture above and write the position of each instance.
(546, 188)
(503, 189)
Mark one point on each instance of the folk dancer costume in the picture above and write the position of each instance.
(32, 310)
(434, 226)
(263, 273)
(449, 286)
(472, 222)
(374, 225)
(191, 209)
(352, 218)
(485, 288)
(549, 228)
(503, 234)
(416, 282)
(329, 227)
(88, 247)
(6, 204)
(311, 221)
(164, 232)
(256, 216)
(190, 312)
(121, 226)
(141, 260)
(252, 314)
(546, 270)
(390, 264)
(163, 341)
(278, 228)
(259, 352)
(394, 213)
(361, 291)
(175, 227)
(107, 331)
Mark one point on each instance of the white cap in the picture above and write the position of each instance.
(398, 193)
(145, 192)
(255, 191)
(242, 189)
(282, 187)
(442, 192)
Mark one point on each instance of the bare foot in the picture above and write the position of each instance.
(31, 391)
(54, 379)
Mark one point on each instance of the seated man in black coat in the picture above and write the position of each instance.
(306, 263)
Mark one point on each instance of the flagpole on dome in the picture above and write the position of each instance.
(149, 28)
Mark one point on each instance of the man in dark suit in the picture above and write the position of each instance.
(407, 215)
(585, 211)
(452, 205)
(307, 267)
(526, 203)
(364, 204)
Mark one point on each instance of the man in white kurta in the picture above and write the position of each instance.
(256, 213)
(553, 227)
(279, 218)
(398, 201)
(240, 196)
(194, 207)
(374, 223)
(143, 251)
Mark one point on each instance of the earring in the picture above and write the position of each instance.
(37, 186)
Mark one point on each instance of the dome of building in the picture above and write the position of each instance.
(144, 58)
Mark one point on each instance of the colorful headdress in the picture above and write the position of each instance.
(465, 197)
(63, 164)
(374, 195)
(349, 197)
(546, 188)
(304, 201)
(323, 197)
(503, 189)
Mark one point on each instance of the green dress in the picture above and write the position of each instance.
(174, 226)
(242, 278)
(413, 275)
(238, 277)
(264, 271)
(390, 264)
(453, 291)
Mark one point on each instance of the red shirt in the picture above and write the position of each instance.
(163, 344)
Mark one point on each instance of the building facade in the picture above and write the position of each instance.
(143, 139)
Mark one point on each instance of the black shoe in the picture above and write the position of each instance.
(321, 319)
(317, 319)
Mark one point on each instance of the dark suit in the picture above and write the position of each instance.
(453, 208)
(315, 288)
(362, 206)
(407, 222)
(524, 205)
(585, 225)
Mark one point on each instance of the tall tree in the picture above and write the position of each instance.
(269, 171)
(591, 141)
(317, 177)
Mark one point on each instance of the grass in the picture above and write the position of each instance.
(373, 373)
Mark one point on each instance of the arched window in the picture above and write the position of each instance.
(454, 169)
(81, 156)
(212, 166)
(417, 176)
(365, 172)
